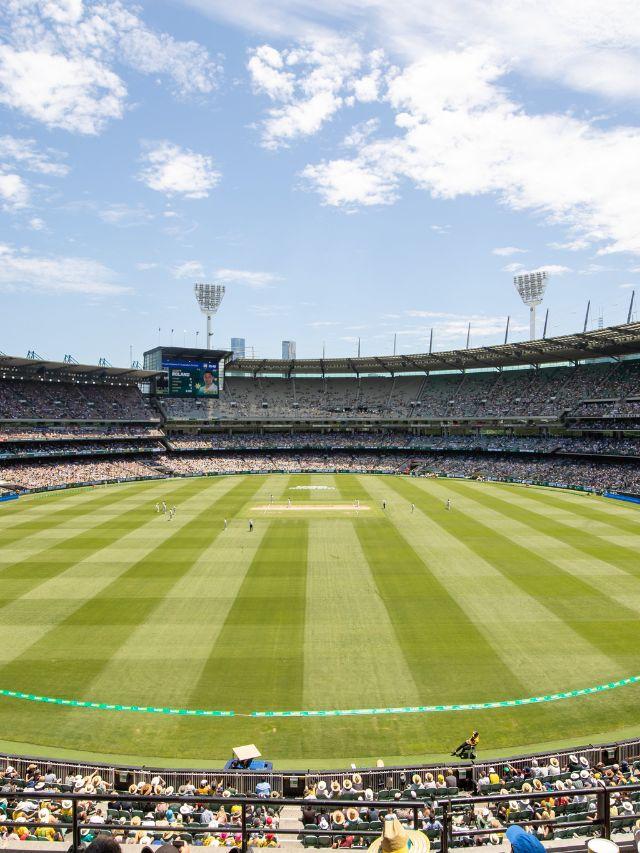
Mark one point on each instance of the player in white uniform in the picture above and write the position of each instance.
(448, 503)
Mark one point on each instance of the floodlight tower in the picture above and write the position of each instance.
(531, 287)
(209, 297)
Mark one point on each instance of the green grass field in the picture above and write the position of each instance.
(516, 592)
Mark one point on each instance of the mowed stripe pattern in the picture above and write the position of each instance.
(514, 592)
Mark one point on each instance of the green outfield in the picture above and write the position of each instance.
(515, 592)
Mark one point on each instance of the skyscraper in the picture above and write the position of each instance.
(238, 347)
(288, 350)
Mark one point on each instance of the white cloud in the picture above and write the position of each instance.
(350, 183)
(189, 269)
(462, 135)
(583, 44)
(37, 224)
(572, 245)
(59, 58)
(359, 133)
(506, 251)
(459, 130)
(174, 170)
(146, 265)
(552, 269)
(266, 69)
(628, 285)
(124, 215)
(270, 310)
(56, 274)
(25, 153)
(310, 83)
(14, 193)
(250, 278)
(79, 95)
(440, 229)
(450, 327)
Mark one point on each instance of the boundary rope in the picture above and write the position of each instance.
(348, 712)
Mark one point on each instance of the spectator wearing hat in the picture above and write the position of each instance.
(396, 839)
(347, 786)
(338, 819)
(263, 789)
(321, 790)
(553, 767)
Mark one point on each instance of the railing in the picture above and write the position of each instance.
(601, 823)
(294, 781)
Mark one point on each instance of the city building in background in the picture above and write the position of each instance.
(288, 350)
(238, 346)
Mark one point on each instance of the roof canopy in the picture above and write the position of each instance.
(612, 342)
(72, 372)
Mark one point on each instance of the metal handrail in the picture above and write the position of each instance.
(602, 819)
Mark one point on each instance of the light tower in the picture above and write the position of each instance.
(531, 287)
(209, 297)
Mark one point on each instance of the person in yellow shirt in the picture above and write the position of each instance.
(467, 749)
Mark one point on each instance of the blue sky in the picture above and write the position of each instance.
(382, 168)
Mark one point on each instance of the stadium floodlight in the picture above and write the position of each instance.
(209, 297)
(531, 287)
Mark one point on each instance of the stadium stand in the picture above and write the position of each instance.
(494, 416)
(561, 797)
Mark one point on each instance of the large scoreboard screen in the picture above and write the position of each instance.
(189, 378)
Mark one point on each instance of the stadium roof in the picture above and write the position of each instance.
(72, 371)
(612, 342)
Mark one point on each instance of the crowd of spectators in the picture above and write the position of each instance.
(69, 432)
(610, 408)
(42, 450)
(543, 796)
(45, 399)
(591, 473)
(42, 475)
(524, 392)
(402, 440)
(562, 471)
(153, 821)
(261, 462)
(599, 475)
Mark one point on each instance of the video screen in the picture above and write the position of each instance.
(190, 379)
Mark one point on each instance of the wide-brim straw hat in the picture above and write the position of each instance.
(347, 784)
(353, 814)
(396, 839)
(416, 779)
(357, 779)
(335, 785)
(602, 845)
(338, 817)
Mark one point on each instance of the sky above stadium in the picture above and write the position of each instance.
(348, 169)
